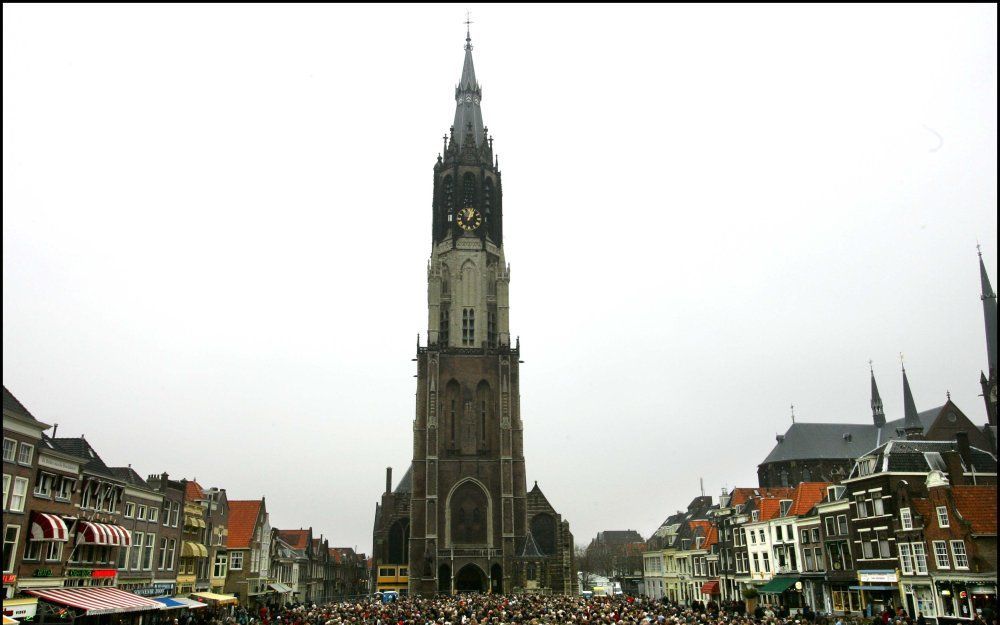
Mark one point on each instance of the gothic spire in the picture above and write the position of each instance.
(990, 312)
(878, 414)
(468, 116)
(911, 422)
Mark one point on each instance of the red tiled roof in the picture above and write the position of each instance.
(978, 506)
(807, 495)
(742, 495)
(296, 539)
(769, 508)
(193, 492)
(335, 554)
(711, 537)
(242, 522)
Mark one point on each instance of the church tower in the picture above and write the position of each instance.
(468, 513)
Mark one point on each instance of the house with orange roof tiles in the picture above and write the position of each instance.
(249, 549)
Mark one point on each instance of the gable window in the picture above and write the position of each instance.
(24, 453)
(905, 559)
(919, 558)
(941, 554)
(959, 554)
(9, 449)
(942, 516)
(905, 519)
(18, 495)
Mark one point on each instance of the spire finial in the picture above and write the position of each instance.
(793, 413)
(979, 249)
(468, 37)
(948, 395)
(871, 366)
(901, 363)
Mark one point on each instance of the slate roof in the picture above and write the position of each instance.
(406, 483)
(11, 404)
(130, 477)
(242, 522)
(827, 440)
(467, 109)
(978, 506)
(83, 450)
(530, 547)
(918, 456)
(618, 537)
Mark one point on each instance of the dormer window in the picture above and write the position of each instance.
(786, 505)
(755, 515)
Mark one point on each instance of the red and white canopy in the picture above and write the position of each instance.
(90, 533)
(48, 527)
(96, 599)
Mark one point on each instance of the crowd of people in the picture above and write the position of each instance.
(542, 610)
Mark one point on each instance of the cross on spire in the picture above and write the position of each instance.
(468, 37)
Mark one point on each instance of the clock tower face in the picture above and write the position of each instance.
(469, 219)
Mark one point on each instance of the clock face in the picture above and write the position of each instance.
(469, 219)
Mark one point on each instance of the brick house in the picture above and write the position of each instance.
(248, 545)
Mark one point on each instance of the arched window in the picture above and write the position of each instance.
(469, 190)
(443, 326)
(543, 530)
(468, 327)
(483, 407)
(452, 395)
(468, 515)
(399, 540)
(449, 196)
(487, 196)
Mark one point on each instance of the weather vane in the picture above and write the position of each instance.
(468, 20)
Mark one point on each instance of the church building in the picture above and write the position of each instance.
(461, 519)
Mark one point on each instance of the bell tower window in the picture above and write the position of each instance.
(449, 197)
(443, 327)
(468, 327)
(491, 328)
(468, 190)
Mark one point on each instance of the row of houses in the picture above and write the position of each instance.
(912, 524)
(73, 521)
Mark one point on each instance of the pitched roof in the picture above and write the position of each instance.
(978, 506)
(82, 449)
(243, 516)
(711, 537)
(840, 441)
(920, 456)
(12, 405)
(807, 495)
(618, 537)
(743, 494)
(406, 482)
(296, 539)
(193, 491)
(130, 477)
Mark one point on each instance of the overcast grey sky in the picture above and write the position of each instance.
(217, 221)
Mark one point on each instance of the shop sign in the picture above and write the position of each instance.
(92, 573)
(976, 590)
(154, 590)
(9, 578)
(26, 610)
(878, 577)
(55, 463)
(42, 573)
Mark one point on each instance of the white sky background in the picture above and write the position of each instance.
(217, 221)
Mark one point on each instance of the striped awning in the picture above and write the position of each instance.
(190, 549)
(90, 533)
(48, 527)
(94, 600)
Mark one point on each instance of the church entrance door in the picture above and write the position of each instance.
(470, 579)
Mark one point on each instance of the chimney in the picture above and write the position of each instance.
(55, 428)
(388, 480)
(964, 450)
